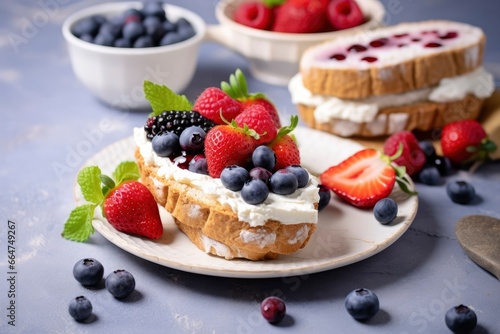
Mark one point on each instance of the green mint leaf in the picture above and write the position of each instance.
(108, 184)
(90, 184)
(162, 98)
(126, 171)
(79, 227)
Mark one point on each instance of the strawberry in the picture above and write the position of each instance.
(284, 146)
(257, 118)
(227, 145)
(126, 203)
(301, 16)
(412, 157)
(237, 88)
(131, 208)
(465, 141)
(343, 14)
(254, 15)
(216, 105)
(364, 178)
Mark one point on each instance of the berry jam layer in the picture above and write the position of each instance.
(389, 45)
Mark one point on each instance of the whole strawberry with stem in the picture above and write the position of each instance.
(237, 88)
(227, 145)
(217, 105)
(285, 147)
(126, 203)
(366, 177)
(465, 141)
(257, 118)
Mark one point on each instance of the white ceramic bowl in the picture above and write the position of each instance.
(116, 75)
(274, 56)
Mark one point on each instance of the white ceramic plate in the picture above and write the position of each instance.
(345, 234)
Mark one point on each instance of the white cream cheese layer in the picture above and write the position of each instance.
(290, 209)
(478, 82)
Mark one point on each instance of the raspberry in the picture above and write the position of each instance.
(213, 102)
(254, 15)
(344, 14)
(412, 157)
(176, 121)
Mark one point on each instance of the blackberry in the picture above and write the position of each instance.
(176, 121)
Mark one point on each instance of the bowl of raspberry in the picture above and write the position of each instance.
(115, 47)
(273, 34)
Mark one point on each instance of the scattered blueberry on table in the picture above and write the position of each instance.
(88, 271)
(80, 308)
(145, 27)
(362, 304)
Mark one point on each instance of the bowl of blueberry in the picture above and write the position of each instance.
(115, 47)
(273, 34)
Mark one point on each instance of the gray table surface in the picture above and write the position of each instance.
(45, 113)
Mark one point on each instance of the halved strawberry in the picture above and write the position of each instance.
(364, 178)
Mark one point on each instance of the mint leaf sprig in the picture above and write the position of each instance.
(163, 98)
(95, 186)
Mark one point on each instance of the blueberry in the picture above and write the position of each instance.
(460, 192)
(300, 173)
(144, 42)
(80, 308)
(261, 174)
(171, 38)
(154, 8)
(192, 139)
(444, 166)
(185, 29)
(154, 28)
(233, 177)
(87, 38)
(88, 271)
(428, 147)
(133, 30)
(123, 43)
(87, 26)
(362, 304)
(133, 14)
(104, 39)
(461, 319)
(385, 210)
(120, 283)
(165, 144)
(283, 182)
(110, 29)
(198, 164)
(429, 175)
(264, 157)
(254, 191)
(169, 26)
(273, 309)
(324, 197)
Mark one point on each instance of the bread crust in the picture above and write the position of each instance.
(215, 228)
(411, 74)
(424, 116)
